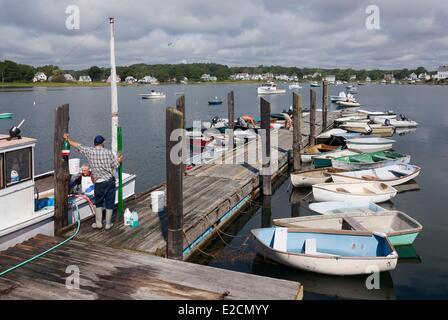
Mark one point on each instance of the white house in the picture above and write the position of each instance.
(412, 76)
(68, 77)
(130, 80)
(207, 77)
(330, 79)
(149, 79)
(39, 76)
(442, 72)
(85, 79)
(368, 79)
(117, 80)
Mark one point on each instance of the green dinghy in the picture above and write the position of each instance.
(370, 160)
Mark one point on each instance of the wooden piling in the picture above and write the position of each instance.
(312, 117)
(266, 173)
(174, 184)
(266, 212)
(61, 172)
(231, 116)
(180, 106)
(297, 130)
(324, 104)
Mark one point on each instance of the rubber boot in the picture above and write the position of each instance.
(98, 219)
(109, 219)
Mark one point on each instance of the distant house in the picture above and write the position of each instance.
(183, 80)
(316, 75)
(389, 77)
(69, 77)
(268, 76)
(442, 72)
(130, 80)
(412, 77)
(368, 79)
(149, 80)
(330, 79)
(256, 77)
(109, 79)
(207, 77)
(39, 76)
(85, 79)
(293, 78)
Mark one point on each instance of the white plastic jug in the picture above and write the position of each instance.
(73, 166)
(127, 217)
(14, 176)
(158, 201)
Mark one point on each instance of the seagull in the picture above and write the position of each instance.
(34, 103)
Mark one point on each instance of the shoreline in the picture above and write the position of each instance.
(25, 85)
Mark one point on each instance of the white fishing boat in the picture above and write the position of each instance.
(335, 207)
(153, 95)
(369, 144)
(327, 252)
(294, 86)
(349, 104)
(307, 178)
(395, 123)
(369, 191)
(382, 130)
(400, 228)
(341, 97)
(269, 88)
(391, 175)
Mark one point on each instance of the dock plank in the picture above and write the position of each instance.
(107, 273)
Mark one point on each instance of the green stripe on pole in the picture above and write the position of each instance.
(120, 174)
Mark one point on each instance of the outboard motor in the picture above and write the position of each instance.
(387, 122)
(14, 132)
(215, 120)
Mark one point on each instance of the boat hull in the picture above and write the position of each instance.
(352, 166)
(325, 192)
(332, 265)
(341, 178)
(333, 207)
(363, 148)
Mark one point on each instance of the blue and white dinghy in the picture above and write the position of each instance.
(327, 252)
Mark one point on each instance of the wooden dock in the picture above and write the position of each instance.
(213, 194)
(106, 273)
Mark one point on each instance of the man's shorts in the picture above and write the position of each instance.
(105, 194)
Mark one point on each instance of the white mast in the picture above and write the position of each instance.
(113, 87)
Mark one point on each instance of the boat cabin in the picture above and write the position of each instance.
(17, 188)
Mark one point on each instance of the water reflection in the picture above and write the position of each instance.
(407, 254)
(349, 287)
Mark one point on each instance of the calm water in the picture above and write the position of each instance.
(422, 275)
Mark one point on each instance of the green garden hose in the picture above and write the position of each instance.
(21, 264)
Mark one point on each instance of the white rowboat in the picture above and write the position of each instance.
(370, 191)
(335, 207)
(392, 175)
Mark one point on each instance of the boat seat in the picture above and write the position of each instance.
(342, 190)
(352, 223)
(368, 177)
(311, 248)
(398, 173)
(368, 191)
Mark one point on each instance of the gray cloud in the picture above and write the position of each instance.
(322, 33)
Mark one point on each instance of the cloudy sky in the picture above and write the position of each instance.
(313, 33)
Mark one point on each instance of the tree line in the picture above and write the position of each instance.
(11, 71)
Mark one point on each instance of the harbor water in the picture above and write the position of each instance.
(420, 274)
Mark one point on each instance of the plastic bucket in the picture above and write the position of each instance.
(73, 166)
(158, 201)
